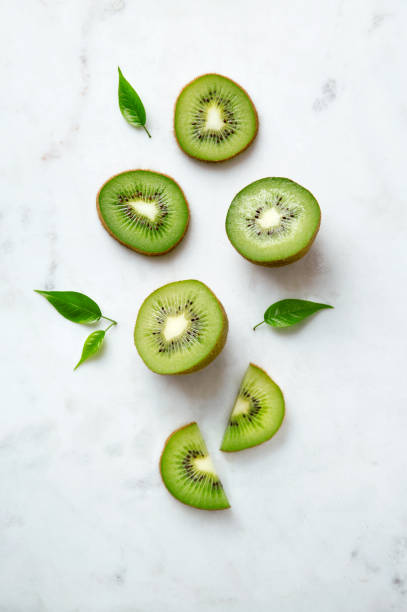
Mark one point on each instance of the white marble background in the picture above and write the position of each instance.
(319, 514)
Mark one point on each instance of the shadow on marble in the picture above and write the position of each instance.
(227, 517)
(201, 386)
(296, 280)
(176, 251)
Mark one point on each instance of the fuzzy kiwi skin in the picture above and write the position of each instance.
(220, 343)
(161, 474)
(282, 420)
(217, 161)
(284, 262)
(124, 243)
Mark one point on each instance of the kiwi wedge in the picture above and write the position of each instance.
(181, 327)
(257, 413)
(146, 211)
(273, 221)
(214, 118)
(188, 472)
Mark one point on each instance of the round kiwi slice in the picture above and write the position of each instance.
(273, 221)
(188, 472)
(257, 413)
(180, 328)
(146, 211)
(214, 118)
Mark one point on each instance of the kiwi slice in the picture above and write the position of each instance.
(146, 211)
(181, 327)
(257, 413)
(273, 221)
(188, 472)
(214, 118)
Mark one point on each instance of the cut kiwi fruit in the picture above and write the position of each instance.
(146, 211)
(214, 118)
(257, 413)
(181, 327)
(273, 221)
(188, 472)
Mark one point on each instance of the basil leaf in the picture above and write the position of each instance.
(76, 307)
(289, 312)
(93, 344)
(130, 104)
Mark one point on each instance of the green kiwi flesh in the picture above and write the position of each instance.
(257, 413)
(188, 472)
(181, 327)
(273, 221)
(146, 211)
(214, 118)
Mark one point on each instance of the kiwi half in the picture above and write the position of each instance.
(273, 221)
(180, 328)
(257, 413)
(188, 472)
(146, 211)
(214, 118)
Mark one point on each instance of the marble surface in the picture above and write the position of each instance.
(319, 514)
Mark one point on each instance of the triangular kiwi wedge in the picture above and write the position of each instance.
(214, 118)
(180, 328)
(257, 412)
(188, 472)
(144, 210)
(273, 221)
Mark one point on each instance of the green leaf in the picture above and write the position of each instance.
(289, 312)
(72, 305)
(130, 104)
(93, 344)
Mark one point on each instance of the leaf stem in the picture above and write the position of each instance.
(109, 326)
(108, 319)
(258, 325)
(149, 135)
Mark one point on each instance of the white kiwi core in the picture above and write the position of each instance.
(214, 118)
(145, 209)
(204, 464)
(175, 326)
(242, 406)
(269, 218)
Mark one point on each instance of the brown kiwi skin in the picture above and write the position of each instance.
(161, 474)
(216, 161)
(276, 432)
(287, 260)
(124, 243)
(220, 343)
